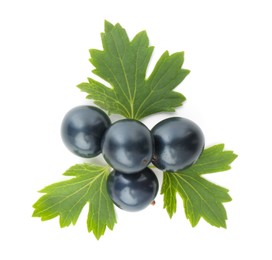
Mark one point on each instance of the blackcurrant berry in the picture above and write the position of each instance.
(82, 130)
(132, 192)
(178, 144)
(128, 146)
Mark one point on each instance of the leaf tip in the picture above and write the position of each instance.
(234, 155)
(98, 236)
(170, 213)
(186, 72)
(224, 226)
(108, 26)
(34, 214)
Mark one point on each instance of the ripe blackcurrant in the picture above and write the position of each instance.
(132, 192)
(178, 144)
(128, 146)
(82, 130)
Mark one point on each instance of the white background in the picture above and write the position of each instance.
(44, 55)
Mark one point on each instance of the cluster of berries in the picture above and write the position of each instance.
(128, 146)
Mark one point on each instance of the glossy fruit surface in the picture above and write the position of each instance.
(178, 143)
(82, 130)
(128, 146)
(132, 192)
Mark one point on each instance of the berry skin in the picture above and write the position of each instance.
(128, 146)
(132, 192)
(178, 144)
(82, 130)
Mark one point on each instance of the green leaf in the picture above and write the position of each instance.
(213, 159)
(66, 199)
(123, 64)
(201, 198)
